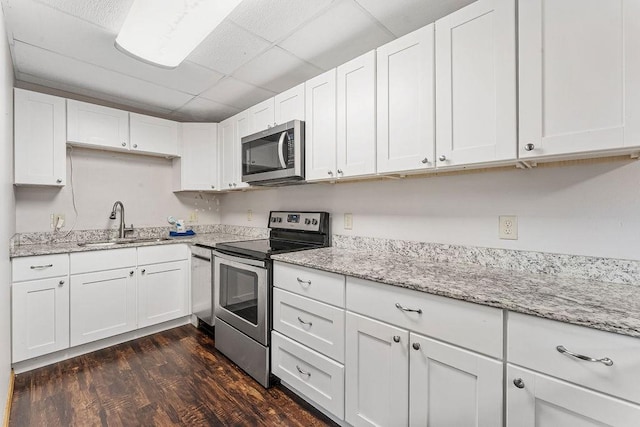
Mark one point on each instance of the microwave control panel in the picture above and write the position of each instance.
(305, 221)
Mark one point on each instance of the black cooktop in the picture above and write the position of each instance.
(263, 248)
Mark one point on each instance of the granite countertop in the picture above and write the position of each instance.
(207, 239)
(601, 305)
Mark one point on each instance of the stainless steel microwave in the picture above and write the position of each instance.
(274, 156)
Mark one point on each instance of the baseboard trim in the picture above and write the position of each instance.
(7, 408)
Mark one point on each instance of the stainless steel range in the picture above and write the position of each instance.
(243, 275)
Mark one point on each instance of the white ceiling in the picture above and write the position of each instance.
(262, 48)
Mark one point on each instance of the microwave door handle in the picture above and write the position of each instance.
(280, 146)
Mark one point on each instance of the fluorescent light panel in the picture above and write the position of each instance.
(165, 32)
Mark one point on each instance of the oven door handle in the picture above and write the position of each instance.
(280, 146)
(241, 260)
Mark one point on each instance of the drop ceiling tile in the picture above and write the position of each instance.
(227, 48)
(72, 73)
(276, 70)
(352, 33)
(273, 20)
(234, 92)
(200, 109)
(41, 26)
(105, 13)
(403, 16)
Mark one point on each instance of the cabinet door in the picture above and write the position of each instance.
(544, 401)
(163, 292)
(40, 140)
(356, 122)
(289, 105)
(476, 84)
(227, 153)
(153, 135)
(39, 317)
(320, 128)
(197, 168)
(98, 126)
(261, 116)
(452, 387)
(242, 130)
(377, 375)
(103, 304)
(579, 76)
(406, 102)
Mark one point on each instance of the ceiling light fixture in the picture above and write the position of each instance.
(165, 32)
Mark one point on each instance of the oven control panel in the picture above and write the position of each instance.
(304, 221)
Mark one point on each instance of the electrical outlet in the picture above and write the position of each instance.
(348, 221)
(249, 215)
(508, 227)
(193, 216)
(56, 218)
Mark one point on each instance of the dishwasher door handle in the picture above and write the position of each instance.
(201, 257)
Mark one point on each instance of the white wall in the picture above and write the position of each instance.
(142, 183)
(7, 210)
(583, 209)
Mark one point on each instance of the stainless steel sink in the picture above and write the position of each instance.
(113, 242)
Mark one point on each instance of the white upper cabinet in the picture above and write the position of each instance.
(230, 151)
(152, 135)
(476, 84)
(197, 168)
(97, 126)
(39, 137)
(356, 116)
(406, 105)
(261, 117)
(320, 127)
(289, 105)
(579, 76)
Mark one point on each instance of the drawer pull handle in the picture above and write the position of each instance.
(605, 360)
(398, 306)
(308, 374)
(518, 383)
(307, 282)
(41, 267)
(303, 322)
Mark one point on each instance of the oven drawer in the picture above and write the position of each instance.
(533, 341)
(315, 324)
(40, 267)
(464, 324)
(315, 376)
(316, 284)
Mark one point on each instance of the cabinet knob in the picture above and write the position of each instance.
(213, 186)
(131, 273)
(425, 161)
(59, 181)
(518, 383)
(234, 184)
(230, 185)
(529, 147)
(61, 282)
(442, 158)
(330, 173)
(144, 271)
(416, 346)
(124, 144)
(340, 171)
(396, 338)
(135, 145)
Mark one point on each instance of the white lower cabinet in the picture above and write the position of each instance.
(40, 317)
(536, 400)
(102, 304)
(163, 292)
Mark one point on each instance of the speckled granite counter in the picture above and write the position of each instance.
(208, 239)
(600, 305)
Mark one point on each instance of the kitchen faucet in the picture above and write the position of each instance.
(123, 229)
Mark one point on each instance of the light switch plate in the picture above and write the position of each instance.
(348, 221)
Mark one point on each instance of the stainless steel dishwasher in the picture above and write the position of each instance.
(202, 292)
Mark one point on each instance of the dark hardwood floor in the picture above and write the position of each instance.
(172, 378)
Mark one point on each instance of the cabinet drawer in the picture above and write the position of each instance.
(162, 253)
(468, 325)
(317, 377)
(40, 267)
(87, 262)
(314, 324)
(316, 284)
(532, 343)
